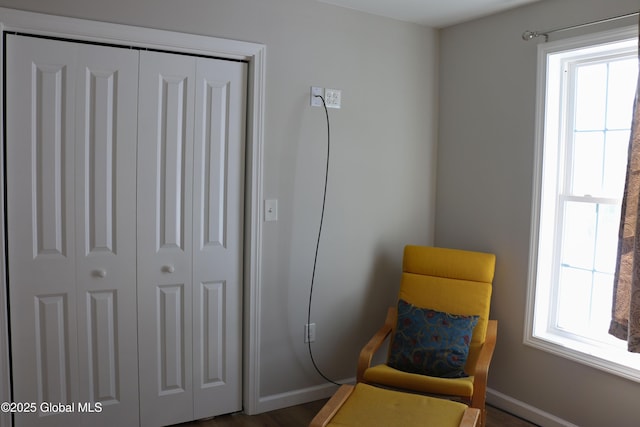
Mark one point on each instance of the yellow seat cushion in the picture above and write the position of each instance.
(370, 406)
(383, 374)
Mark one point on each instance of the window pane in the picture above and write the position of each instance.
(591, 97)
(588, 151)
(615, 162)
(574, 299)
(589, 245)
(601, 304)
(622, 76)
(607, 238)
(579, 235)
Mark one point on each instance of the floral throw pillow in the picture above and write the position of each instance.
(431, 342)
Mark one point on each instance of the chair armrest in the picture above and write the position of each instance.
(482, 366)
(330, 408)
(470, 417)
(374, 344)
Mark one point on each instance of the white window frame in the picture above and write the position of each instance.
(539, 332)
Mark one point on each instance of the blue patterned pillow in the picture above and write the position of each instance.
(431, 342)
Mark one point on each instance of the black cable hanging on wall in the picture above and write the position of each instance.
(315, 258)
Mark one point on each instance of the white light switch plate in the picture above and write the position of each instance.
(271, 210)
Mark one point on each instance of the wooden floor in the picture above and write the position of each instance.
(301, 415)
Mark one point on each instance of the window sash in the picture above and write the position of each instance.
(568, 167)
(593, 268)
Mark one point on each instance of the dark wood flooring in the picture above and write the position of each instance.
(301, 415)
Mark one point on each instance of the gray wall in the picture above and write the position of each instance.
(382, 183)
(484, 195)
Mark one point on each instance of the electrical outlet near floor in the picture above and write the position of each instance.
(309, 332)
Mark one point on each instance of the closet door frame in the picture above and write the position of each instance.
(17, 21)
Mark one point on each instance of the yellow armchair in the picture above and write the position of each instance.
(451, 281)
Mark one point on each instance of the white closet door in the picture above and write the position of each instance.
(106, 167)
(165, 170)
(217, 243)
(106, 133)
(190, 220)
(41, 225)
(71, 131)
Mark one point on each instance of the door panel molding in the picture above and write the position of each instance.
(102, 307)
(214, 158)
(49, 198)
(171, 343)
(172, 151)
(213, 332)
(52, 348)
(99, 168)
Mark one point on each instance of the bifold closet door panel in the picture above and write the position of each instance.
(218, 224)
(106, 135)
(165, 171)
(190, 221)
(41, 231)
(71, 131)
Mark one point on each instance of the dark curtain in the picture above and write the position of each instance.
(625, 323)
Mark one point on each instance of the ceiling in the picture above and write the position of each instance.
(432, 13)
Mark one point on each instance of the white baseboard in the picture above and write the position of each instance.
(524, 410)
(298, 397)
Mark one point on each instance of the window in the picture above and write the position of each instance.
(586, 88)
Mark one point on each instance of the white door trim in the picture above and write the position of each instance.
(101, 32)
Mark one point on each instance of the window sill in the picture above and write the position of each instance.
(610, 359)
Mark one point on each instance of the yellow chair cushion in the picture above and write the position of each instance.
(383, 374)
(370, 406)
(449, 263)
